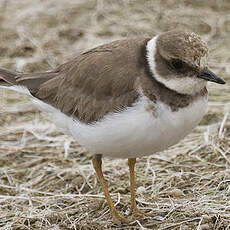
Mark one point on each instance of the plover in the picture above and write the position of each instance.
(126, 99)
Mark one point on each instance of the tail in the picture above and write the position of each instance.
(17, 81)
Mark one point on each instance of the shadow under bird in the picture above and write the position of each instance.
(126, 99)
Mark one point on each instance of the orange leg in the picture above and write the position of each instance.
(97, 166)
(133, 208)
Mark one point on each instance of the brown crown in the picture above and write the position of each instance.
(185, 46)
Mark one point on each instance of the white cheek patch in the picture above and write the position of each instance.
(184, 85)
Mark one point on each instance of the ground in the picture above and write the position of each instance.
(46, 178)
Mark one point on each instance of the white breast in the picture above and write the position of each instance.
(136, 132)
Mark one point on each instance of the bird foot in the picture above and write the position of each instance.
(118, 217)
(137, 212)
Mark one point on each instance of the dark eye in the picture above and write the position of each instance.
(177, 64)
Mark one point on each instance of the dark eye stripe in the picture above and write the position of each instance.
(177, 64)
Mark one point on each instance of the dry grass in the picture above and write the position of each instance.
(46, 178)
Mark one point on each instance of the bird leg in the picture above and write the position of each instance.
(133, 208)
(115, 214)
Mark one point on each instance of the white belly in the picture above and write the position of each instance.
(136, 132)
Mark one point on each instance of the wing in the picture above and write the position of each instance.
(97, 82)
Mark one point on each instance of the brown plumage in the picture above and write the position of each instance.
(102, 80)
(163, 75)
(188, 47)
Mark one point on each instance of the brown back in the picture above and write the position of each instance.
(103, 80)
(96, 82)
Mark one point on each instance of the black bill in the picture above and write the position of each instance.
(210, 76)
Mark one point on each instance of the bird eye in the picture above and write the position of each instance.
(176, 64)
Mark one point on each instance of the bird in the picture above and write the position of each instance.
(126, 99)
